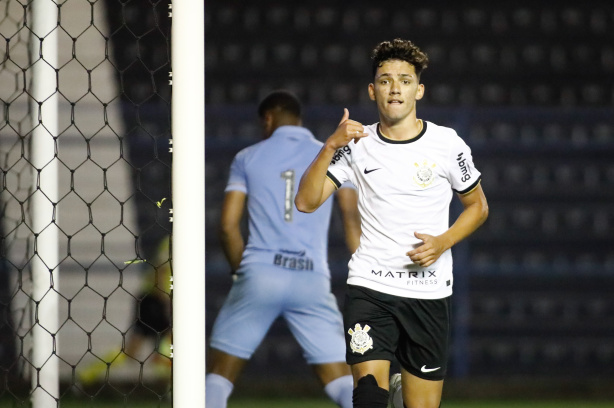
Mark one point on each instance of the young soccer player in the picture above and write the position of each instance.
(283, 269)
(400, 278)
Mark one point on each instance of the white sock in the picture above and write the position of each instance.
(217, 391)
(340, 391)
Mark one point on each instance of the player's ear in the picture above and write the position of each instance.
(420, 92)
(267, 120)
(372, 92)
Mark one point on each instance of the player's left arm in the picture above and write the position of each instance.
(474, 214)
(230, 228)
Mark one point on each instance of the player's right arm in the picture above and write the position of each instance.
(348, 203)
(230, 227)
(314, 188)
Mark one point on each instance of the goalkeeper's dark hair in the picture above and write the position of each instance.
(399, 49)
(281, 100)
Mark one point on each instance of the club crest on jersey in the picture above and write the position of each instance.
(361, 341)
(424, 175)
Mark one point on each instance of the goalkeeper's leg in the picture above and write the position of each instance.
(337, 381)
(219, 382)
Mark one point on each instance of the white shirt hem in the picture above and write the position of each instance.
(396, 291)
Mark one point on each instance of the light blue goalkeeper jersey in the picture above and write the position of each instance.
(269, 173)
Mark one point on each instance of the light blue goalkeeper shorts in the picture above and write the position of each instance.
(264, 292)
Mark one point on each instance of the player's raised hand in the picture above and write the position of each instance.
(347, 130)
(346, 116)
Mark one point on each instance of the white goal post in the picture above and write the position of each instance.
(188, 180)
(45, 270)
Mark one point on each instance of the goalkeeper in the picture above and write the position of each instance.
(283, 269)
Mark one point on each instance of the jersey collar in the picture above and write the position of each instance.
(412, 140)
(288, 131)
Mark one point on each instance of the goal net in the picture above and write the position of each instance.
(84, 201)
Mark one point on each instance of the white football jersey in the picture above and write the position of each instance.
(404, 187)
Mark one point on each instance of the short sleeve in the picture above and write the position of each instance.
(348, 184)
(237, 180)
(339, 170)
(463, 175)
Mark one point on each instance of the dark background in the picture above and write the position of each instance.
(529, 87)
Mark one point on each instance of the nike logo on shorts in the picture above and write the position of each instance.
(428, 370)
(369, 171)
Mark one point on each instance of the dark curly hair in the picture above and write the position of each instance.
(399, 49)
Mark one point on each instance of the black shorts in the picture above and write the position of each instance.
(380, 327)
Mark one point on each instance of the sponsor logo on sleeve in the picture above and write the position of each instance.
(339, 154)
(464, 168)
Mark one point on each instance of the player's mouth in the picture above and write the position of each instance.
(395, 102)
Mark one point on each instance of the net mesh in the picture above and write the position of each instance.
(111, 213)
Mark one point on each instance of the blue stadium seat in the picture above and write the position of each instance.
(326, 17)
(425, 18)
(375, 17)
(475, 18)
(524, 19)
(277, 15)
(251, 19)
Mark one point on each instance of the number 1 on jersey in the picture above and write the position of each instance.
(288, 177)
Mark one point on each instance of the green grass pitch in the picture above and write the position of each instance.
(323, 403)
